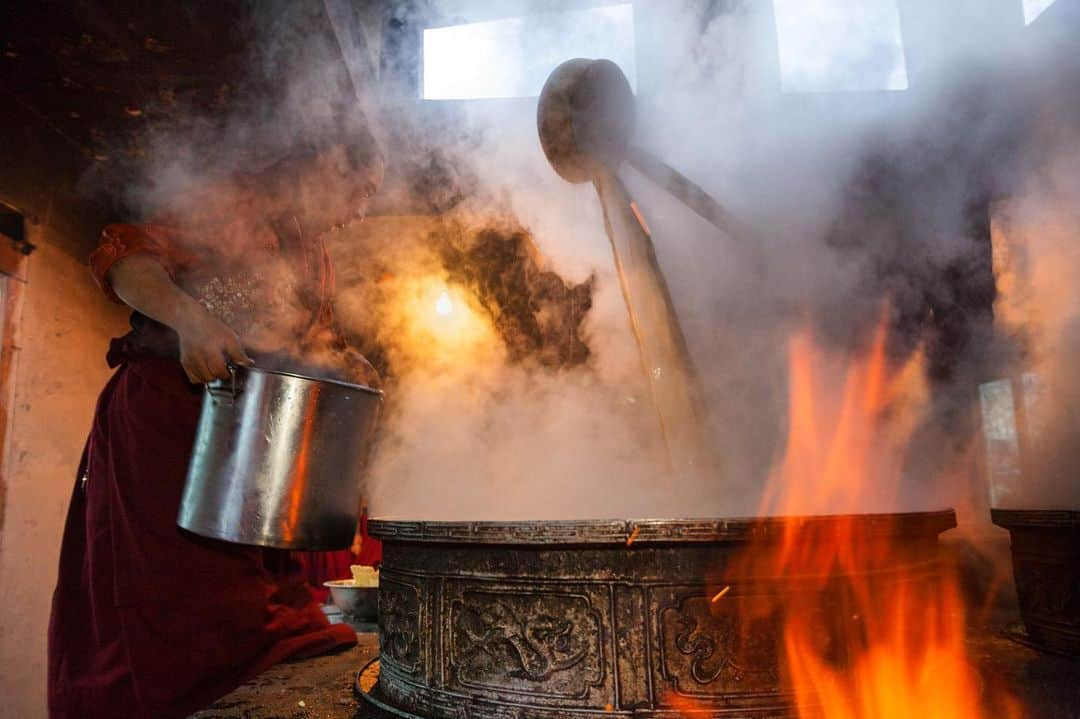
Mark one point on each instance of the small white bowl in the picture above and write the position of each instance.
(357, 602)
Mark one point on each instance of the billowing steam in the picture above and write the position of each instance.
(860, 201)
(1033, 442)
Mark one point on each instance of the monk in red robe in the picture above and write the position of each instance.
(149, 621)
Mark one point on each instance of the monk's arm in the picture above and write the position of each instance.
(206, 343)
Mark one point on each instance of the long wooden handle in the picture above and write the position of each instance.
(666, 361)
(702, 203)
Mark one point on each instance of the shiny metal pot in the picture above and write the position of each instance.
(278, 459)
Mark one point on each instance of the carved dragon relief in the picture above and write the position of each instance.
(540, 642)
(713, 653)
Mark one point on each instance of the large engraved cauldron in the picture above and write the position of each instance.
(549, 620)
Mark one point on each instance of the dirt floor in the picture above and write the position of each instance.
(322, 688)
(319, 688)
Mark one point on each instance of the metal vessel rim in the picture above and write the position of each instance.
(297, 375)
(1064, 518)
(643, 531)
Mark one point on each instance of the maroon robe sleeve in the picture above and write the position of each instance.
(122, 240)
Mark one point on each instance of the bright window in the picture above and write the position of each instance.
(840, 45)
(513, 57)
(1034, 8)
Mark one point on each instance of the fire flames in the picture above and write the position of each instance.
(875, 631)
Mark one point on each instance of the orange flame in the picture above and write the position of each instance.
(876, 631)
(843, 453)
(901, 646)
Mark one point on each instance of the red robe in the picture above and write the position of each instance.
(147, 619)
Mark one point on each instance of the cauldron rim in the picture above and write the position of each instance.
(652, 531)
(1060, 518)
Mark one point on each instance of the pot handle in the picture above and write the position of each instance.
(227, 391)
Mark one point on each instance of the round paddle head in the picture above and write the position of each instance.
(585, 117)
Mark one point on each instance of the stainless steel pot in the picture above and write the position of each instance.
(278, 459)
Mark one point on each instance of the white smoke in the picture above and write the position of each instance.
(856, 198)
(710, 103)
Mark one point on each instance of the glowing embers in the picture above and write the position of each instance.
(840, 45)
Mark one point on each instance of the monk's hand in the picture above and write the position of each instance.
(207, 346)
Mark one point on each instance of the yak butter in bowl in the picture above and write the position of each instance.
(357, 597)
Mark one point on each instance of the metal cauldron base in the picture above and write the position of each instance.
(377, 705)
(366, 689)
(590, 618)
